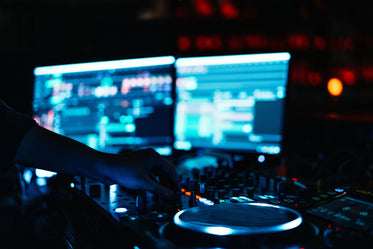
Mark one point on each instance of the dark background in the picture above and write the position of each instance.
(326, 39)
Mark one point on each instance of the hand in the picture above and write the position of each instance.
(143, 169)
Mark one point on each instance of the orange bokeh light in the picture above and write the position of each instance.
(335, 87)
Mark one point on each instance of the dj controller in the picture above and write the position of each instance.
(228, 207)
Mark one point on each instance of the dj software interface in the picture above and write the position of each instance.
(224, 105)
(110, 106)
(231, 103)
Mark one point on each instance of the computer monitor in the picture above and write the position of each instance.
(232, 102)
(111, 106)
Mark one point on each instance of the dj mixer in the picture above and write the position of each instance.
(225, 207)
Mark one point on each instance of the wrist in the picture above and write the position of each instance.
(102, 168)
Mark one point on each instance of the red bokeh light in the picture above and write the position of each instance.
(228, 10)
(204, 8)
(314, 78)
(299, 41)
(184, 43)
(348, 76)
(319, 43)
(208, 42)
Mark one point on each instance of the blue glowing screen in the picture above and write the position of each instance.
(231, 102)
(110, 106)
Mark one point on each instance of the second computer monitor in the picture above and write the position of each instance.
(231, 102)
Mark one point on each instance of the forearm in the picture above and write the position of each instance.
(44, 149)
(47, 150)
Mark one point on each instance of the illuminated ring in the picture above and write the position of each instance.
(215, 228)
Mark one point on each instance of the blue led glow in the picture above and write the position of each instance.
(247, 128)
(280, 92)
(44, 173)
(104, 65)
(104, 120)
(339, 190)
(120, 210)
(107, 81)
(27, 175)
(206, 202)
(123, 119)
(164, 151)
(219, 230)
(130, 128)
(268, 149)
(92, 141)
(221, 60)
(290, 225)
(183, 145)
(41, 182)
(261, 158)
(168, 101)
(113, 189)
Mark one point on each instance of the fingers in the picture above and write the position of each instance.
(154, 187)
(168, 168)
(148, 164)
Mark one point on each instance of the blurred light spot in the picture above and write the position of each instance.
(120, 210)
(215, 230)
(104, 120)
(41, 182)
(247, 128)
(204, 8)
(228, 10)
(261, 158)
(335, 87)
(130, 128)
(44, 173)
(184, 43)
(348, 76)
(27, 175)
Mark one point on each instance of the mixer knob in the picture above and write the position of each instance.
(202, 188)
(236, 183)
(170, 204)
(195, 173)
(271, 186)
(242, 178)
(193, 199)
(251, 181)
(140, 203)
(281, 189)
(250, 185)
(212, 173)
(193, 185)
(203, 178)
(186, 183)
(236, 187)
(220, 185)
(210, 193)
(263, 184)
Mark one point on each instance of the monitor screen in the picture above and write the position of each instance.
(231, 102)
(111, 106)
